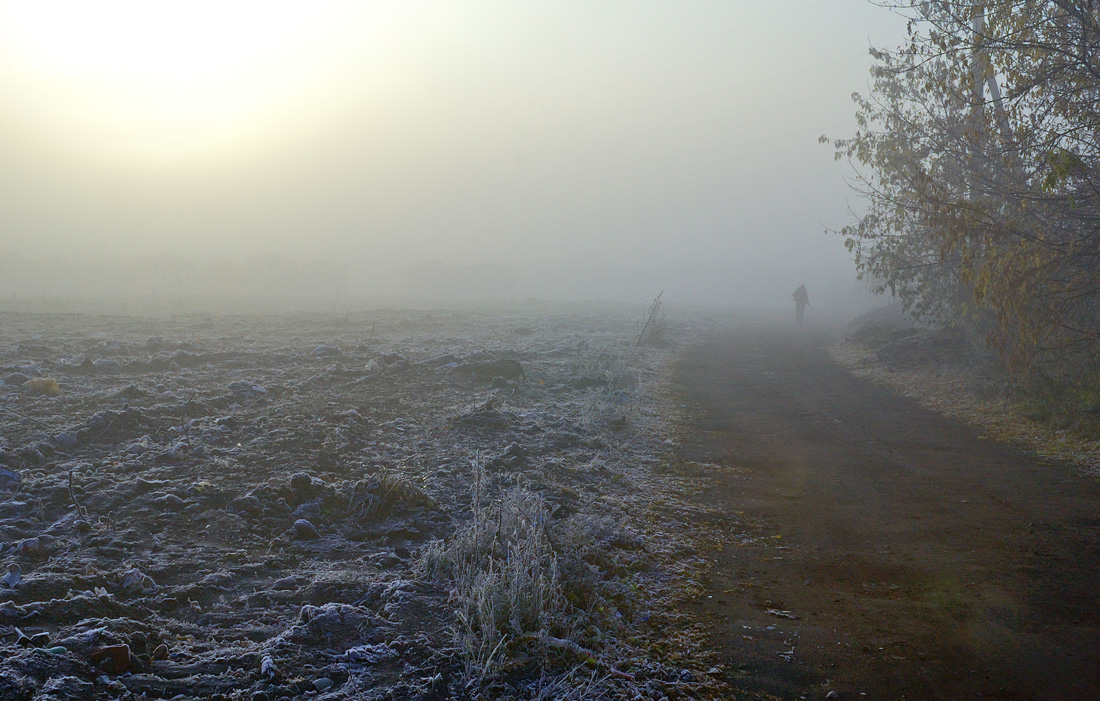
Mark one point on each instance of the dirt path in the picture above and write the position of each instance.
(920, 560)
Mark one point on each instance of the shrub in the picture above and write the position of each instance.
(520, 580)
(504, 574)
(385, 493)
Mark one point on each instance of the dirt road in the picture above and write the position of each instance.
(872, 548)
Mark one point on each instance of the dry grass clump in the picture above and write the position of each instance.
(603, 365)
(653, 328)
(579, 684)
(604, 408)
(524, 584)
(504, 575)
(384, 493)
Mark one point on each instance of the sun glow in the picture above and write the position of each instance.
(175, 81)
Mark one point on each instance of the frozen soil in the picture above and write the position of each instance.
(239, 506)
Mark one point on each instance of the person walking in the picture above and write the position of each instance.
(801, 301)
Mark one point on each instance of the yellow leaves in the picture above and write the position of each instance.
(1062, 165)
(976, 212)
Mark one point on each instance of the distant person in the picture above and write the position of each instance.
(801, 301)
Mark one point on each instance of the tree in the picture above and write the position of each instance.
(978, 153)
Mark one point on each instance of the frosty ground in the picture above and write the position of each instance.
(478, 503)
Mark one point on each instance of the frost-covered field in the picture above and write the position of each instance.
(381, 504)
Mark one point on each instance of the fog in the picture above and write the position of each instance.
(437, 150)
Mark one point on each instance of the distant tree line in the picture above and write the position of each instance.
(978, 154)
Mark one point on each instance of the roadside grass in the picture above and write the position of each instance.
(608, 401)
(1064, 406)
(1055, 420)
(873, 336)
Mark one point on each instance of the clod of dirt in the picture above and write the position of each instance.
(66, 687)
(333, 626)
(247, 389)
(309, 511)
(32, 548)
(11, 579)
(41, 639)
(304, 530)
(485, 371)
(300, 482)
(134, 581)
(585, 382)
(249, 504)
(9, 479)
(442, 361)
(113, 659)
(388, 363)
(169, 502)
(267, 668)
(285, 584)
(65, 440)
(131, 392)
(371, 654)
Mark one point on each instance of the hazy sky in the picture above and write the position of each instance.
(644, 132)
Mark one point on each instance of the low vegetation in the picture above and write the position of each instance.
(951, 372)
(526, 585)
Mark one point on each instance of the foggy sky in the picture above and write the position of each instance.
(592, 146)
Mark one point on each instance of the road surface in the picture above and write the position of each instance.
(875, 549)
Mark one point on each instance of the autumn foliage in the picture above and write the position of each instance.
(978, 153)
